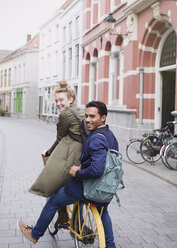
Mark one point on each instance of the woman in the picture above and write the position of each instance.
(66, 150)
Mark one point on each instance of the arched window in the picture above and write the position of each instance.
(168, 56)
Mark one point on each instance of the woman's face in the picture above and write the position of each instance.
(62, 101)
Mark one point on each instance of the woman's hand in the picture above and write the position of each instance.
(74, 169)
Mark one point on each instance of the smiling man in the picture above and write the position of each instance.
(93, 159)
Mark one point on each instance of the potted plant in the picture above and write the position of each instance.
(2, 112)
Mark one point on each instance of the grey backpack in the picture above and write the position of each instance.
(103, 189)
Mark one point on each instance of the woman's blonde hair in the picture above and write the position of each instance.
(63, 87)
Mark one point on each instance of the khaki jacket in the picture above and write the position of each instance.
(64, 153)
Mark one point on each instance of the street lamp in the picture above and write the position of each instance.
(110, 23)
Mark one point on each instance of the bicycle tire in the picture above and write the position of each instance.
(133, 152)
(149, 150)
(171, 156)
(52, 228)
(162, 156)
(91, 224)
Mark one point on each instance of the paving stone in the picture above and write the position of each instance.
(147, 217)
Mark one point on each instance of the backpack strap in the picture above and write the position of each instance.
(121, 182)
(74, 136)
(74, 113)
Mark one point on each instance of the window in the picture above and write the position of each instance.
(57, 32)
(168, 56)
(19, 73)
(24, 71)
(77, 25)
(1, 78)
(9, 77)
(70, 31)
(5, 78)
(49, 65)
(49, 37)
(76, 60)
(70, 63)
(56, 63)
(15, 74)
(64, 35)
(47, 101)
(64, 64)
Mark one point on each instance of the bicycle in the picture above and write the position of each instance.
(133, 150)
(150, 147)
(84, 223)
(171, 155)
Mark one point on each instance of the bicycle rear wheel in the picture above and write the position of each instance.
(87, 222)
(150, 149)
(133, 152)
(171, 156)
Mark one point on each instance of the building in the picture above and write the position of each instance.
(5, 81)
(60, 54)
(132, 67)
(25, 79)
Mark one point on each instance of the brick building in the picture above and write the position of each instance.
(132, 68)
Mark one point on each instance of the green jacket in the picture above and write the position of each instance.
(64, 153)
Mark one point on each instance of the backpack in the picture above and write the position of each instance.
(83, 128)
(103, 189)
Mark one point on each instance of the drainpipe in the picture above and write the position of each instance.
(141, 70)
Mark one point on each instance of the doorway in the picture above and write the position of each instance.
(168, 96)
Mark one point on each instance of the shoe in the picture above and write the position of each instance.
(26, 231)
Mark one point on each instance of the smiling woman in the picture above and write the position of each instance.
(24, 17)
(65, 152)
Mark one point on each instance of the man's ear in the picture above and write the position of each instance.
(103, 118)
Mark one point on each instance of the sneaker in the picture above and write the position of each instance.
(26, 231)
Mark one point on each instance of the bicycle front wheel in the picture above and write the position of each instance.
(133, 152)
(171, 156)
(88, 225)
(150, 149)
(162, 156)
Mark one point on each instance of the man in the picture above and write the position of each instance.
(93, 159)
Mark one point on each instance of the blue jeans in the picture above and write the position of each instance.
(60, 199)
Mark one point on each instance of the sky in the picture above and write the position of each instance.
(21, 17)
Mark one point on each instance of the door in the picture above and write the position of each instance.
(168, 96)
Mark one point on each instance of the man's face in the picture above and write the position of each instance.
(93, 118)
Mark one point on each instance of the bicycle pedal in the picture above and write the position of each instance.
(63, 225)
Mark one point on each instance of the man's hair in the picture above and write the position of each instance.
(102, 109)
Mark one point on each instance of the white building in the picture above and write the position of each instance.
(24, 97)
(60, 54)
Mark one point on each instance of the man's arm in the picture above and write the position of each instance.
(98, 151)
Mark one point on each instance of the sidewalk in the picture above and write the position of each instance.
(147, 217)
(157, 170)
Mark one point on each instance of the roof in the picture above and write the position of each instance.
(4, 53)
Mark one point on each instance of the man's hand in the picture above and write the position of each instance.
(74, 169)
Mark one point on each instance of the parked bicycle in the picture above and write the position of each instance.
(133, 150)
(171, 155)
(152, 147)
(84, 223)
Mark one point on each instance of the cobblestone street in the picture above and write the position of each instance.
(147, 217)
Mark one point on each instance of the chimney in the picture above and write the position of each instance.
(28, 37)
